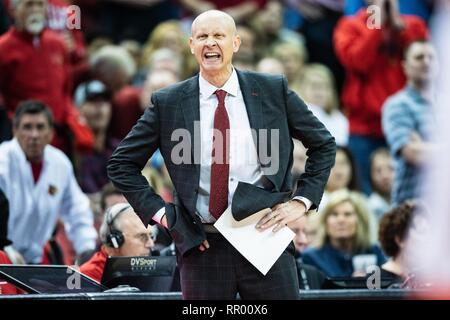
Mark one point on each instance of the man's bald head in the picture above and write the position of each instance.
(213, 42)
(214, 15)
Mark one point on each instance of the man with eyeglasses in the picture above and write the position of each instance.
(123, 235)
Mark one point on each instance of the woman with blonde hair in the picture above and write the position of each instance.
(170, 34)
(293, 58)
(344, 246)
(318, 89)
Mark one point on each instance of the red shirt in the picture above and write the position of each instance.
(36, 168)
(6, 288)
(35, 68)
(95, 266)
(372, 74)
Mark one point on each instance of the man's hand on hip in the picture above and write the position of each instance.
(283, 214)
(204, 246)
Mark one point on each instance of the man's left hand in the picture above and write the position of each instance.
(282, 215)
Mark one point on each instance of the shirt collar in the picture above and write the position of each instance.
(416, 95)
(231, 86)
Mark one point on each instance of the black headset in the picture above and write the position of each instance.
(115, 238)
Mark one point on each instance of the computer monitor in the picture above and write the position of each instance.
(149, 274)
(48, 279)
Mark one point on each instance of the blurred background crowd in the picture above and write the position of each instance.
(366, 77)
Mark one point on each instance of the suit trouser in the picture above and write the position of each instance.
(221, 272)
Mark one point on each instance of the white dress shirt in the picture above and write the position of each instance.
(35, 207)
(244, 163)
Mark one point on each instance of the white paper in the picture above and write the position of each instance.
(260, 248)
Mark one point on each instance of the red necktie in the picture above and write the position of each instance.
(220, 168)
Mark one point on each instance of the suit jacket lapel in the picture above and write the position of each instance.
(252, 98)
(190, 104)
(252, 92)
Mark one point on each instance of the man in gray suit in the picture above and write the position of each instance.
(215, 132)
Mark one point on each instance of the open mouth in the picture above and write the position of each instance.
(212, 56)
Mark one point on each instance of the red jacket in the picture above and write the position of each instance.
(95, 266)
(6, 288)
(372, 74)
(57, 17)
(40, 70)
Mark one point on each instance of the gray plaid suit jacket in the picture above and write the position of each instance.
(270, 105)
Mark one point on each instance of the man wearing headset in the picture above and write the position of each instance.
(123, 235)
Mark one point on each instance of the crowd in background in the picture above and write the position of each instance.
(368, 85)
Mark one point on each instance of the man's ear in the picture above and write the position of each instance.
(404, 65)
(191, 44)
(236, 43)
(399, 242)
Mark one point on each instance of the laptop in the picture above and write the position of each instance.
(149, 274)
(49, 279)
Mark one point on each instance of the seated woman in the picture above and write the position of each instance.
(396, 227)
(344, 246)
(343, 175)
(318, 89)
(381, 181)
